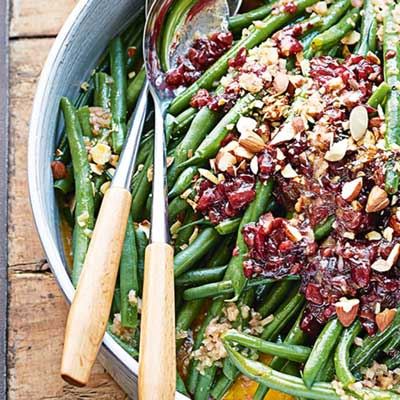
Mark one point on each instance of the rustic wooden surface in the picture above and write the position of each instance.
(37, 311)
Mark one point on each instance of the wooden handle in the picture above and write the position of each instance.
(157, 364)
(90, 310)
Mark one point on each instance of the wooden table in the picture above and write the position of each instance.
(37, 310)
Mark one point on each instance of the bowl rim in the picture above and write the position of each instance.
(47, 239)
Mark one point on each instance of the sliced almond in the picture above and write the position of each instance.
(288, 172)
(281, 82)
(351, 38)
(394, 255)
(358, 122)
(242, 152)
(246, 124)
(293, 233)
(284, 134)
(347, 310)
(208, 175)
(381, 265)
(231, 146)
(377, 200)
(252, 142)
(225, 160)
(254, 165)
(337, 151)
(385, 318)
(352, 189)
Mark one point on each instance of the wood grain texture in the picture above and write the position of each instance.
(37, 309)
(90, 309)
(157, 363)
(4, 191)
(30, 18)
(26, 60)
(37, 320)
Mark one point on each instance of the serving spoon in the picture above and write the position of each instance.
(90, 309)
(157, 359)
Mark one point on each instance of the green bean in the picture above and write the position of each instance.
(187, 258)
(252, 214)
(116, 303)
(102, 90)
(186, 316)
(172, 24)
(327, 371)
(201, 276)
(322, 348)
(282, 316)
(393, 344)
(335, 12)
(393, 362)
(218, 69)
(84, 209)
(391, 52)
(180, 385)
(228, 226)
(212, 142)
(369, 29)
(134, 88)
(240, 21)
(275, 298)
(222, 386)
(204, 383)
(295, 336)
(223, 252)
(209, 290)
(126, 346)
(141, 244)
(287, 351)
(335, 33)
(342, 354)
(118, 93)
(379, 95)
(372, 345)
(83, 114)
(202, 124)
(66, 185)
(265, 375)
(128, 278)
(141, 191)
(323, 230)
(184, 180)
(177, 207)
(213, 312)
(186, 230)
(181, 123)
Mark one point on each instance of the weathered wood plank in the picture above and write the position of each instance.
(4, 192)
(36, 326)
(38, 17)
(26, 60)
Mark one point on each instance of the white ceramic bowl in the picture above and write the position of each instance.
(81, 41)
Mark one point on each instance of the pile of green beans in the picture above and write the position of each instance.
(209, 258)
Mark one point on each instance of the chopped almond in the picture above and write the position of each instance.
(225, 161)
(252, 142)
(377, 200)
(385, 318)
(281, 82)
(351, 190)
(242, 152)
(347, 310)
